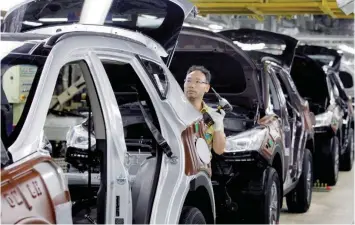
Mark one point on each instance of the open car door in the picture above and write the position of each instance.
(259, 43)
(160, 20)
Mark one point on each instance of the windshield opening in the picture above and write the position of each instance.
(306, 75)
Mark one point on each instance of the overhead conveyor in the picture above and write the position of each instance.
(260, 8)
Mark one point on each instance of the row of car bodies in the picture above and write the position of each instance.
(136, 111)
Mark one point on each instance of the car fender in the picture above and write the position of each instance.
(202, 180)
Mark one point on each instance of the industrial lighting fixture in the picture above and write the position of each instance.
(119, 19)
(215, 27)
(53, 19)
(30, 23)
(148, 16)
(250, 47)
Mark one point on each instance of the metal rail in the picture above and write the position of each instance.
(260, 8)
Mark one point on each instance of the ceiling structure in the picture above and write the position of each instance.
(319, 22)
(260, 8)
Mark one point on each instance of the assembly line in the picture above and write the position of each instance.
(107, 119)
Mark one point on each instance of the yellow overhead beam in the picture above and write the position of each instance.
(326, 9)
(261, 8)
(254, 10)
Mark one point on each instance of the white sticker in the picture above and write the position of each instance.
(63, 213)
(287, 151)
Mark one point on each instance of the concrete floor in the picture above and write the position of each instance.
(336, 206)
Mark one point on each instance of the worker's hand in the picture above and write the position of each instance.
(217, 118)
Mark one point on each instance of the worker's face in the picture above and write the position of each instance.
(196, 85)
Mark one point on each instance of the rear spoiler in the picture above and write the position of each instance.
(268, 37)
(319, 50)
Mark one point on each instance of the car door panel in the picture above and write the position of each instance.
(290, 130)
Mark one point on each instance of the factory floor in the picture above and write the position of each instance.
(335, 206)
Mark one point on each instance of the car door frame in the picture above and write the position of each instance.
(288, 155)
(301, 108)
(66, 51)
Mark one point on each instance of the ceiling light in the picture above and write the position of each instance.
(30, 23)
(250, 47)
(53, 20)
(148, 16)
(215, 27)
(119, 19)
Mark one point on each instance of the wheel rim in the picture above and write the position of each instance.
(309, 181)
(274, 199)
(336, 161)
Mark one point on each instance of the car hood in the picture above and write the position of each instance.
(161, 20)
(234, 74)
(259, 43)
(322, 55)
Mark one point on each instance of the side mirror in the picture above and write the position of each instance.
(346, 79)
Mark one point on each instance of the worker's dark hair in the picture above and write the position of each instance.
(203, 70)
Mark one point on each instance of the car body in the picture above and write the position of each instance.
(346, 75)
(179, 147)
(266, 149)
(332, 106)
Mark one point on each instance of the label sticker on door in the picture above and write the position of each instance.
(287, 151)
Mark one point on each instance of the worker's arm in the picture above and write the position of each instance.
(219, 142)
(219, 138)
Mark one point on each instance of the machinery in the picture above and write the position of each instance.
(18, 80)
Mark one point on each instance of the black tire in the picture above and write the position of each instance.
(300, 198)
(347, 159)
(330, 172)
(191, 215)
(333, 160)
(272, 183)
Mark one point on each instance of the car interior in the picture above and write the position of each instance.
(143, 158)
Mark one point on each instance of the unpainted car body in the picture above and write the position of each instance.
(261, 141)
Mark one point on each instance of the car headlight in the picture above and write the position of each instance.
(249, 140)
(77, 137)
(323, 119)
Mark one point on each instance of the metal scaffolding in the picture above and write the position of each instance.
(260, 8)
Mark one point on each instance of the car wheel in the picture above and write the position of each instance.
(191, 215)
(347, 159)
(299, 199)
(270, 205)
(330, 175)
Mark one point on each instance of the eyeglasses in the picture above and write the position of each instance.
(195, 82)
